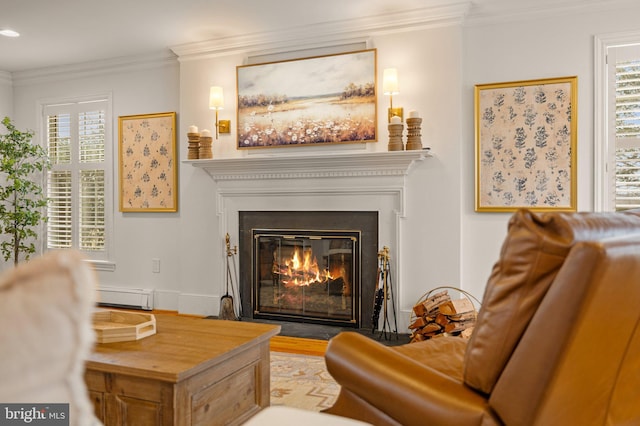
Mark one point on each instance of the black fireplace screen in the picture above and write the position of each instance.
(307, 275)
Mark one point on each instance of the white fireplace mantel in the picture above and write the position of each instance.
(317, 181)
(392, 163)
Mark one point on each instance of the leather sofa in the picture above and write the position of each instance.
(556, 342)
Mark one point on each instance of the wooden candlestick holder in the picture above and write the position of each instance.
(205, 147)
(395, 137)
(194, 146)
(414, 138)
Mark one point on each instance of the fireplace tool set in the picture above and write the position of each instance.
(228, 307)
(384, 293)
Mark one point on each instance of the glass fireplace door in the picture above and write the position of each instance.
(306, 275)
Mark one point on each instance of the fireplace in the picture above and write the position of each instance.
(309, 266)
(306, 274)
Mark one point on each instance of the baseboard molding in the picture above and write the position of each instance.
(199, 304)
(132, 298)
(162, 300)
(167, 300)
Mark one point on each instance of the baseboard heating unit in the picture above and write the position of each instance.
(120, 297)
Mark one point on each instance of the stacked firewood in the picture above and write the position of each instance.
(439, 314)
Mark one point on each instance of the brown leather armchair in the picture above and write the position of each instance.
(557, 341)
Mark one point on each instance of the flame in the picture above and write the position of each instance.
(303, 270)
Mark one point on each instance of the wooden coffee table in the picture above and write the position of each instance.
(193, 371)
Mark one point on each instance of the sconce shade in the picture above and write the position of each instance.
(216, 98)
(390, 81)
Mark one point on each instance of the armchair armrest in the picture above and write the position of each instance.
(404, 389)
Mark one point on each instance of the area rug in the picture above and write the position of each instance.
(301, 381)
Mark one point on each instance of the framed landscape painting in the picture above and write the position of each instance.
(148, 170)
(526, 137)
(312, 101)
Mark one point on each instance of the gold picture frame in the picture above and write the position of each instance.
(526, 145)
(320, 100)
(148, 171)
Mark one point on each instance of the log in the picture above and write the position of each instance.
(418, 323)
(466, 333)
(433, 302)
(432, 327)
(459, 306)
(419, 310)
(463, 317)
(439, 315)
(442, 320)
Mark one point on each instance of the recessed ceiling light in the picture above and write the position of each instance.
(9, 33)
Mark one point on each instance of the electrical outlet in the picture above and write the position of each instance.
(155, 265)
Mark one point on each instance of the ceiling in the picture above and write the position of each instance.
(64, 32)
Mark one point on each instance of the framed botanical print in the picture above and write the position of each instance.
(525, 145)
(147, 163)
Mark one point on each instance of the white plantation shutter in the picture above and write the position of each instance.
(59, 231)
(78, 213)
(91, 134)
(92, 212)
(624, 64)
(59, 138)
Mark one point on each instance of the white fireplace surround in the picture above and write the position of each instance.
(361, 181)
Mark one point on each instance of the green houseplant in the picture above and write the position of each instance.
(22, 198)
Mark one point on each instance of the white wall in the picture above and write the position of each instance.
(524, 49)
(449, 244)
(6, 96)
(188, 242)
(429, 67)
(136, 88)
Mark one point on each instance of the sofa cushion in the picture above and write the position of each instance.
(533, 251)
(444, 354)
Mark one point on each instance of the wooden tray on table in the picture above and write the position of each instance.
(119, 326)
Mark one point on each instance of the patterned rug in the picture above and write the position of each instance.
(301, 381)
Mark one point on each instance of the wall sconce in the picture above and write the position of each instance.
(390, 87)
(216, 102)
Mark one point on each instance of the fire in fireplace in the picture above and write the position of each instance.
(308, 266)
(306, 274)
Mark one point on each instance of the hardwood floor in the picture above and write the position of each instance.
(298, 345)
(295, 345)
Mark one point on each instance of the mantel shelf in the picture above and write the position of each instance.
(393, 163)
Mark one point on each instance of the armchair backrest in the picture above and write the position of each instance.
(533, 252)
(46, 333)
(578, 361)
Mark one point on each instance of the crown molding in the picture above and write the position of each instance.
(323, 34)
(6, 78)
(89, 69)
(393, 163)
(489, 12)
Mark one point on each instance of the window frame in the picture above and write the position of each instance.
(102, 260)
(604, 135)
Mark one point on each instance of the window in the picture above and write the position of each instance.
(626, 126)
(617, 113)
(78, 139)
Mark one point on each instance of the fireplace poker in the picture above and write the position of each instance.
(387, 294)
(377, 300)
